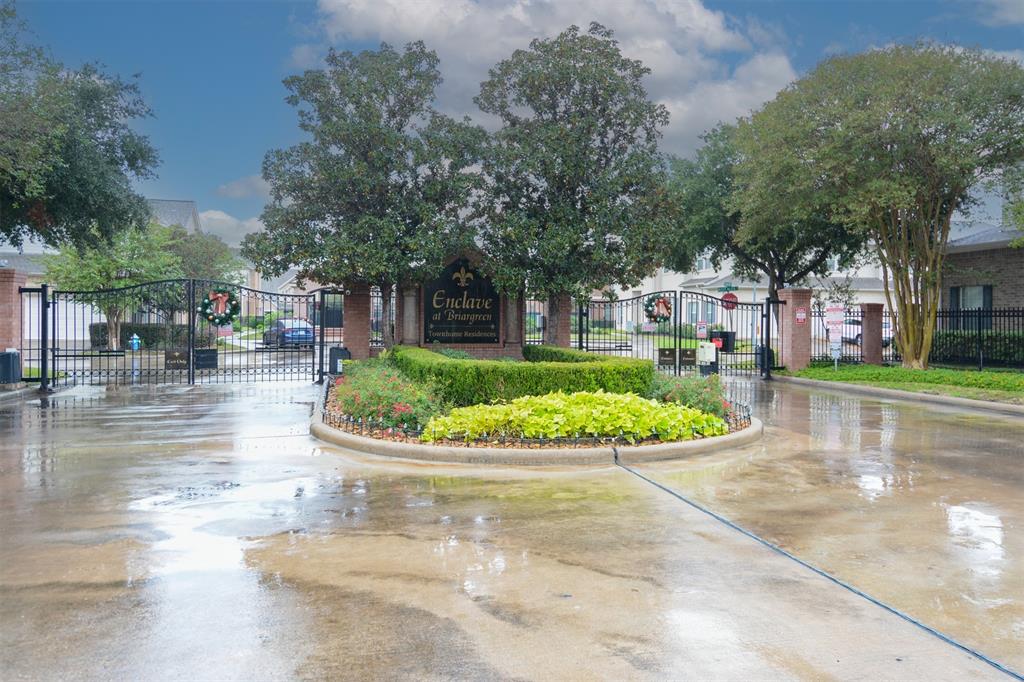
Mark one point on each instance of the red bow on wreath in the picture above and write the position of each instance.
(220, 301)
(662, 308)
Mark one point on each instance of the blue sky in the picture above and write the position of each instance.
(212, 71)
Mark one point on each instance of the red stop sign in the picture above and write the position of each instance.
(729, 301)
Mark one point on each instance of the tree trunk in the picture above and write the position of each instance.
(554, 317)
(113, 329)
(387, 328)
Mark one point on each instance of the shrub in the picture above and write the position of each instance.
(561, 415)
(703, 393)
(998, 348)
(374, 391)
(468, 382)
(153, 335)
(454, 354)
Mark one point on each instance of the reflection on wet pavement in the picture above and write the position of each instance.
(198, 532)
(919, 506)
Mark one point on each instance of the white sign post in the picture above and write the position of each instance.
(834, 318)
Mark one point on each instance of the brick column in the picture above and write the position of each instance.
(871, 333)
(407, 323)
(357, 321)
(563, 327)
(796, 325)
(10, 308)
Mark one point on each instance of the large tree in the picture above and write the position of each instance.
(132, 257)
(376, 195)
(205, 256)
(575, 194)
(68, 152)
(771, 240)
(891, 143)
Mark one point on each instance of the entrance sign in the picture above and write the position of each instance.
(461, 306)
(729, 301)
(176, 359)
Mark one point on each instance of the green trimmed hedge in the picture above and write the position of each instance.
(153, 335)
(998, 348)
(547, 370)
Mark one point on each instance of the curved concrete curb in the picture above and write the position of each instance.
(895, 394)
(599, 456)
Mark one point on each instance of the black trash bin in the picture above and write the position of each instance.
(728, 341)
(10, 367)
(337, 354)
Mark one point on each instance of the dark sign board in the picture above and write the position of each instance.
(461, 306)
(687, 357)
(666, 357)
(176, 359)
(206, 358)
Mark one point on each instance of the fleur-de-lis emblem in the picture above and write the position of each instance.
(462, 276)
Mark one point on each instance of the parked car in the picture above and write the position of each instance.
(289, 332)
(852, 332)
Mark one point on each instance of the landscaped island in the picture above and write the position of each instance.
(557, 397)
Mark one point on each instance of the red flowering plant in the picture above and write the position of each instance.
(378, 394)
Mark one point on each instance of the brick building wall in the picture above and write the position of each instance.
(1002, 269)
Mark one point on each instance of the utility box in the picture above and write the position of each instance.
(337, 355)
(10, 367)
(707, 358)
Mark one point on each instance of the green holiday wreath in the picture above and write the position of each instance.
(220, 307)
(658, 308)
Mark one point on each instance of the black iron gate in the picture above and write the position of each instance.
(157, 333)
(668, 327)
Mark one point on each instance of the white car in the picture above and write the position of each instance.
(852, 332)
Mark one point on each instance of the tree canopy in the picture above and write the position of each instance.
(68, 153)
(376, 195)
(575, 194)
(891, 143)
(131, 257)
(713, 218)
(205, 256)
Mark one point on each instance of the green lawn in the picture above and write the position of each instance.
(997, 386)
(34, 373)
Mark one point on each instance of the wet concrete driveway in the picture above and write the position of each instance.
(199, 533)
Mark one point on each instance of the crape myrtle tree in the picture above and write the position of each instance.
(785, 246)
(68, 154)
(132, 257)
(891, 143)
(574, 200)
(375, 196)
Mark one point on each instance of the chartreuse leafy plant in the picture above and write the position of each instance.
(571, 415)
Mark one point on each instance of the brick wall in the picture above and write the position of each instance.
(796, 336)
(10, 308)
(357, 322)
(1002, 269)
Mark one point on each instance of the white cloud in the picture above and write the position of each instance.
(306, 56)
(228, 227)
(747, 88)
(1001, 12)
(1016, 55)
(249, 186)
(681, 41)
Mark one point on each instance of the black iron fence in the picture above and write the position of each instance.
(667, 327)
(963, 337)
(377, 322)
(979, 337)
